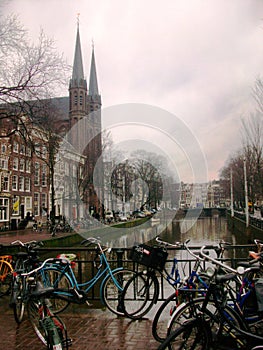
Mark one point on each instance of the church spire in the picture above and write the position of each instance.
(93, 82)
(77, 85)
(78, 72)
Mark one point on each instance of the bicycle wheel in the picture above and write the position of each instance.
(17, 301)
(162, 316)
(216, 322)
(34, 311)
(111, 293)
(139, 295)
(194, 335)
(54, 278)
(5, 277)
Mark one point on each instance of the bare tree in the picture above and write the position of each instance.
(28, 72)
(252, 133)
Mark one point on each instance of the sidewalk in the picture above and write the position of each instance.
(90, 329)
(28, 235)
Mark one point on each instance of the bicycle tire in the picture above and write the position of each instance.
(52, 277)
(111, 294)
(5, 277)
(219, 329)
(18, 303)
(194, 335)
(33, 312)
(139, 295)
(162, 316)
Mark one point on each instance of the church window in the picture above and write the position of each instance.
(75, 98)
(81, 98)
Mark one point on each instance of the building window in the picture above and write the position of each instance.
(81, 99)
(4, 205)
(3, 148)
(36, 204)
(22, 149)
(37, 150)
(75, 98)
(28, 166)
(44, 175)
(27, 184)
(28, 151)
(44, 152)
(3, 164)
(15, 163)
(5, 183)
(37, 169)
(43, 200)
(15, 147)
(28, 204)
(14, 182)
(21, 183)
(22, 164)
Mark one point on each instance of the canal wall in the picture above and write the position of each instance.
(239, 226)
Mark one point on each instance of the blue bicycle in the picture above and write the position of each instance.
(59, 274)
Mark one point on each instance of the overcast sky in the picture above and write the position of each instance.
(196, 59)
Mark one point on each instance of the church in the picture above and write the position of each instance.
(25, 181)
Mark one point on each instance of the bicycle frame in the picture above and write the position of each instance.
(85, 286)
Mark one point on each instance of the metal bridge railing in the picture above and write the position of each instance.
(85, 268)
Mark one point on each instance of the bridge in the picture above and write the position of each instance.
(206, 212)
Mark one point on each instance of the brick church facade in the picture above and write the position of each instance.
(24, 176)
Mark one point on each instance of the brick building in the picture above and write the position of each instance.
(25, 175)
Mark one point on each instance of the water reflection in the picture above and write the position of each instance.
(208, 230)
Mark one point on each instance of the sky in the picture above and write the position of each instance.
(195, 62)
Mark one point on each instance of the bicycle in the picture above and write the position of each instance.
(25, 261)
(196, 280)
(204, 323)
(6, 270)
(49, 328)
(60, 275)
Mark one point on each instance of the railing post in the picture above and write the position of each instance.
(119, 253)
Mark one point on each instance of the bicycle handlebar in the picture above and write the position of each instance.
(176, 245)
(239, 271)
(97, 241)
(27, 244)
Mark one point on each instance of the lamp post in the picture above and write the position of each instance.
(246, 193)
(231, 193)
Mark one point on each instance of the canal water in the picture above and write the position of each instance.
(206, 230)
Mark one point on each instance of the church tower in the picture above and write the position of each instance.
(85, 105)
(77, 86)
(94, 148)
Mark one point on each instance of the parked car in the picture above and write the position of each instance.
(138, 214)
(123, 217)
(109, 216)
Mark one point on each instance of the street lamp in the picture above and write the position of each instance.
(246, 193)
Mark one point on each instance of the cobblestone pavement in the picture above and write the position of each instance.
(89, 328)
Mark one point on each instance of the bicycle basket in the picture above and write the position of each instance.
(149, 256)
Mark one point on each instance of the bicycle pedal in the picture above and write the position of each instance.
(88, 303)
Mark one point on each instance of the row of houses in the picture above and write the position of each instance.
(74, 182)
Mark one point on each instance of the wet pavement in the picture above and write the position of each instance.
(89, 328)
(27, 235)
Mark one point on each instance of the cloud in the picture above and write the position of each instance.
(198, 59)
